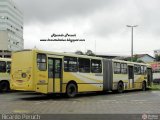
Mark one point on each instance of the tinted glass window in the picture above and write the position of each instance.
(41, 62)
(2, 66)
(70, 64)
(130, 71)
(143, 69)
(96, 66)
(54, 68)
(50, 68)
(8, 67)
(137, 69)
(84, 65)
(123, 68)
(57, 68)
(117, 68)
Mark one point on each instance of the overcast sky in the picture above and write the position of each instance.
(97, 21)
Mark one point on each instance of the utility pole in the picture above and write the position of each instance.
(95, 48)
(132, 26)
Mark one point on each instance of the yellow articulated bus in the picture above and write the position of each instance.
(51, 72)
(5, 64)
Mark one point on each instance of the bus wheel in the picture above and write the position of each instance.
(144, 86)
(71, 90)
(120, 87)
(4, 86)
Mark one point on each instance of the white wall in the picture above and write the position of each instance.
(156, 75)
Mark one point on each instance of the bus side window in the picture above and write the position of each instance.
(41, 62)
(117, 68)
(70, 64)
(57, 69)
(8, 67)
(123, 68)
(137, 69)
(96, 66)
(143, 69)
(50, 68)
(84, 65)
(2, 66)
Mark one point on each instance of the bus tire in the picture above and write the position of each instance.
(4, 86)
(120, 87)
(144, 86)
(71, 90)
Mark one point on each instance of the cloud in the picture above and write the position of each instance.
(48, 11)
(103, 21)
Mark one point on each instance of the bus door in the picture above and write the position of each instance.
(149, 76)
(54, 75)
(131, 77)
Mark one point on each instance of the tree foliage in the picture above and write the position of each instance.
(89, 53)
(135, 59)
(78, 52)
(157, 57)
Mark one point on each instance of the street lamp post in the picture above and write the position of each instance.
(132, 26)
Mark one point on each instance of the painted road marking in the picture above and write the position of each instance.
(139, 100)
(114, 101)
(20, 111)
(40, 102)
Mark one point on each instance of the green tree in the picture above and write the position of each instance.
(140, 61)
(90, 53)
(157, 57)
(78, 52)
(135, 59)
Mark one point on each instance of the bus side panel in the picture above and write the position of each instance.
(138, 80)
(120, 77)
(85, 81)
(4, 76)
(107, 75)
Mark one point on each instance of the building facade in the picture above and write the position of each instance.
(155, 66)
(145, 58)
(11, 28)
